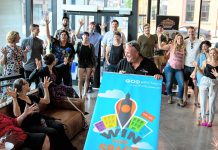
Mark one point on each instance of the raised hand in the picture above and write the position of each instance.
(4, 51)
(46, 20)
(12, 93)
(159, 34)
(38, 64)
(214, 72)
(47, 82)
(81, 22)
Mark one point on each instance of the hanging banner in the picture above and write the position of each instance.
(126, 114)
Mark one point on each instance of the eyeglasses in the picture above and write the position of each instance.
(192, 45)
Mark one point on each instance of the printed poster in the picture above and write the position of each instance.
(126, 114)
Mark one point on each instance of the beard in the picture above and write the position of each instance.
(65, 25)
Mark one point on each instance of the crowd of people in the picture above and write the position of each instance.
(177, 60)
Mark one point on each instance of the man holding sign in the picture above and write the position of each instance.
(135, 63)
(123, 117)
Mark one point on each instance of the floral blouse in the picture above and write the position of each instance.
(61, 51)
(13, 61)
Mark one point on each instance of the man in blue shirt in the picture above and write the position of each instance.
(109, 36)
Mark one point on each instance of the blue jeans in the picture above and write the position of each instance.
(170, 74)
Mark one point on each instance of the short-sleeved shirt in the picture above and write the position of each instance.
(147, 45)
(36, 51)
(192, 50)
(146, 67)
(61, 51)
(109, 38)
(13, 61)
(176, 59)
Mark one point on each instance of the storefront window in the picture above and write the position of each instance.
(190, 8)
(12, 20)
(101, 4)
(163, 7)
(41, 8)
(205, 10)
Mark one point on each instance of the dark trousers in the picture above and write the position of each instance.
(27, 74)
(66, 74)
(56, 133)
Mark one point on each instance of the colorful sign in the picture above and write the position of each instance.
(126, 114)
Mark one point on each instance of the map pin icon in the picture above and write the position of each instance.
(125, 109)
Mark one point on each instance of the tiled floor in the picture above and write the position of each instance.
(177, 131)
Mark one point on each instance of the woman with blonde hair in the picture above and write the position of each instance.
(174, 67)
(12, 56)
(208, 86)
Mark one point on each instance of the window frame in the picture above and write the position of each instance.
(190, 4)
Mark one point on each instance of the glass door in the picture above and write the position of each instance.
(74, 22)
(100, 17)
